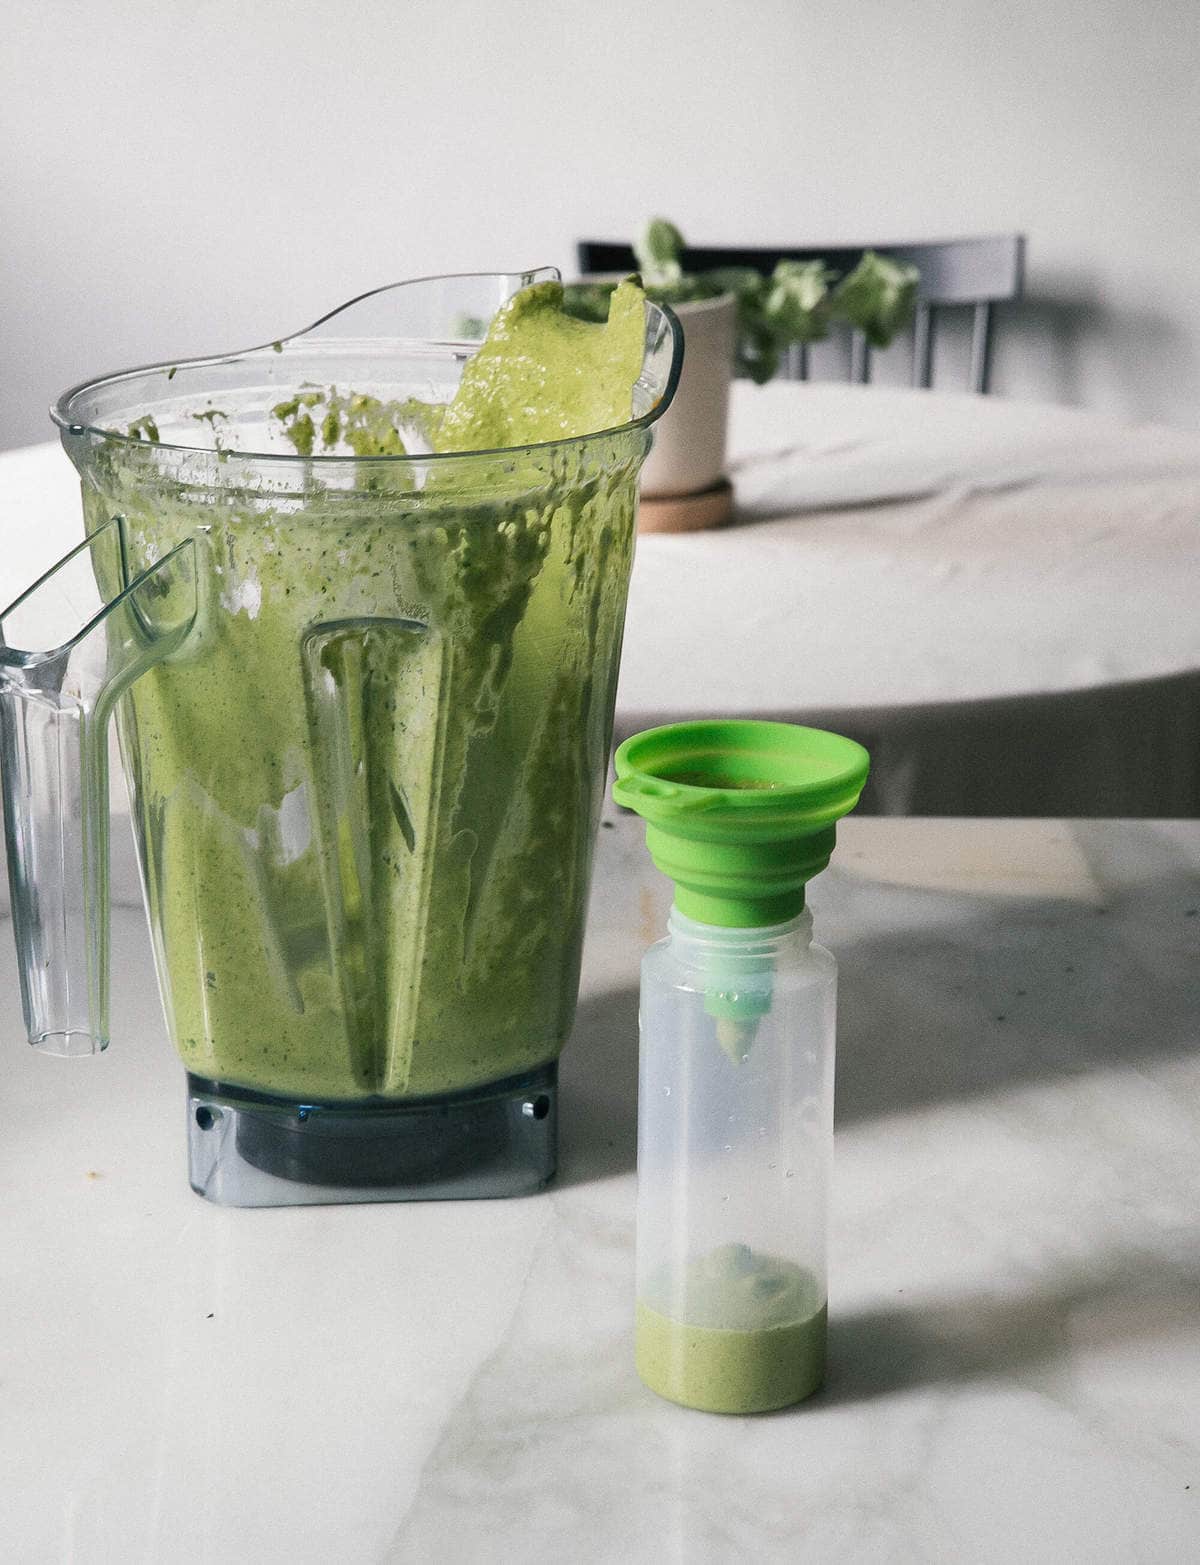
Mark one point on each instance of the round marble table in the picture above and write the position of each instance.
(999, 599)
(1015, 1269)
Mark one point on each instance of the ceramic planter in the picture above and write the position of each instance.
(687, 461)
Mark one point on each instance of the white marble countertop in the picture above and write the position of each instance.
(1015, 1271)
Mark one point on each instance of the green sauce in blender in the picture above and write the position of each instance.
(367, 790)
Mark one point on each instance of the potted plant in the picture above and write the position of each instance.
(737, 320)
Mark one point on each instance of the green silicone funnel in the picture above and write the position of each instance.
(739, 814)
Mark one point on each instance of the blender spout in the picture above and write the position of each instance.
(95, 627)
(420, 307)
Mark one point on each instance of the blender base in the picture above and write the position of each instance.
(246, 1148)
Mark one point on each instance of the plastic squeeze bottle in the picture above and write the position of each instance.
(735, 1093)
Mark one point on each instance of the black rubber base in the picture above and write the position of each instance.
(248, 1149)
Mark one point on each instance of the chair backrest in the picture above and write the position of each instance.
(973, 273)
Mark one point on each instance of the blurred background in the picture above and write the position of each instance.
(186, 178)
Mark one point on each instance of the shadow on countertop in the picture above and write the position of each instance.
(937, 1008)
(598, 1090)
(1022, 991)
(1107, 1302)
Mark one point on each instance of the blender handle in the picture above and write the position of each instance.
(55, 707)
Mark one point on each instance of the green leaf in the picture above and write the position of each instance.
(878, 297)
(741, 281)
(657, 250)
(794, 305)
(797, 302)
(587, 301)
(683, 291)
(757, 350)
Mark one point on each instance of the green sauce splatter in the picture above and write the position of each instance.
(540, 375)
(144, 428)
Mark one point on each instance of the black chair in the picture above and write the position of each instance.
(958, 273)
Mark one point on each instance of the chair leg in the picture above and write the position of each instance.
(860, 359)
(796, 362)
(981, 343)
(922, 365)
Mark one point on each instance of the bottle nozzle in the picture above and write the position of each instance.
(736, 1037)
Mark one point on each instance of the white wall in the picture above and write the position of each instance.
(180, 178)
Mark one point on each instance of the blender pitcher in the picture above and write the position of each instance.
(364, 700)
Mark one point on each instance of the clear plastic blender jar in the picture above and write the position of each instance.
(364, 699)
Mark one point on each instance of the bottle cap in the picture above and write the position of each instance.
(740, 814)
